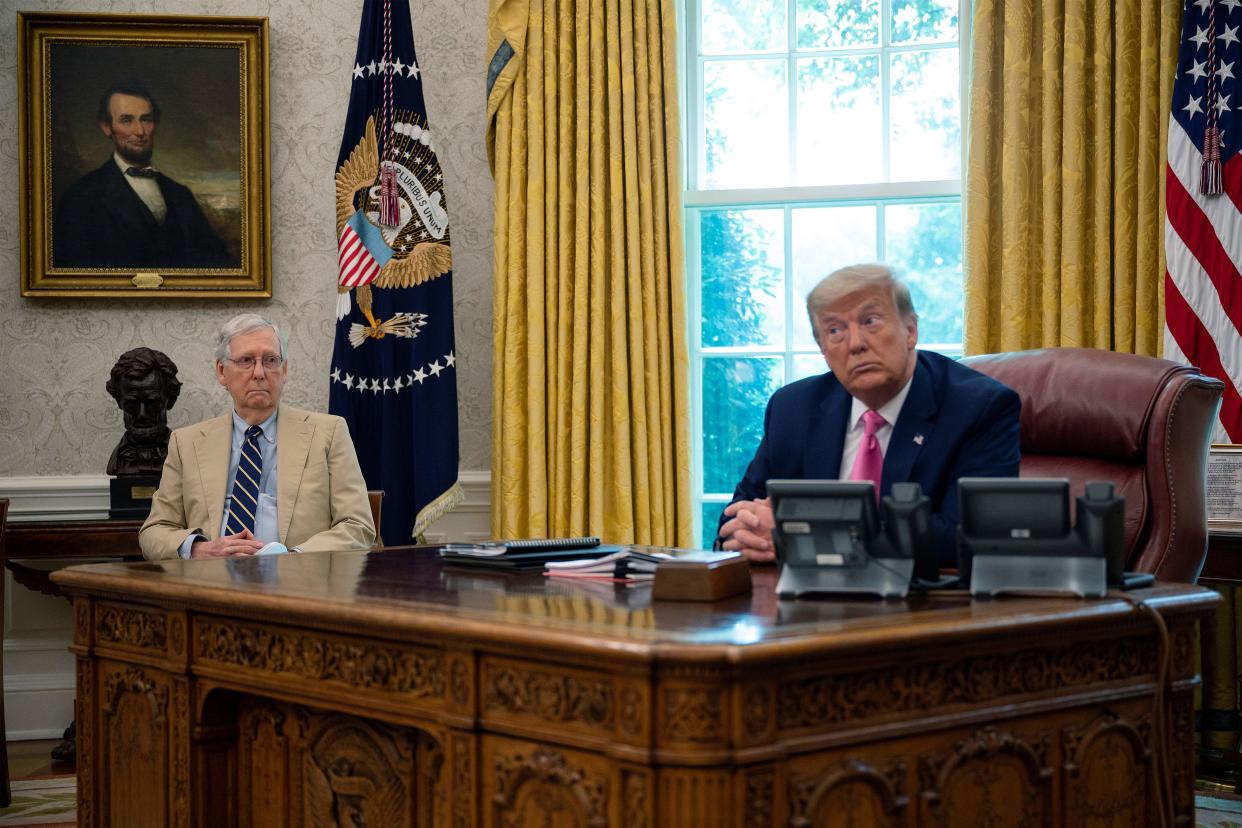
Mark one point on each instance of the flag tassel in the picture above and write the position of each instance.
(389, 209)
(1211, 182)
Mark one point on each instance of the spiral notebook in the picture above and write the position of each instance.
(532, 553)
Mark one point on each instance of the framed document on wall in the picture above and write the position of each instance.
(1224, 489)
(143, 156)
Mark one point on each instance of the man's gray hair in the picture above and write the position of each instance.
(852, 279)
(244, 323)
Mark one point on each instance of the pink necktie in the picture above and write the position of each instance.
(869, 464)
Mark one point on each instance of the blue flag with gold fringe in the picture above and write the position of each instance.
(394, 377)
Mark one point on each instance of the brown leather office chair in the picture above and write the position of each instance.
(1143, 423)
(376, 498)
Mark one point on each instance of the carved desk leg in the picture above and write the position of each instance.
(84, 707)
(133, 715)
(461, 782)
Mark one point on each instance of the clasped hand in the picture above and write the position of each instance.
(227, 546)
(749, 529)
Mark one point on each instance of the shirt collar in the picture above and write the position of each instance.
(125, 165)
(268, 426)
(889, 411)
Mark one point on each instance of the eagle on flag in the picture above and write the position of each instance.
(398, 247)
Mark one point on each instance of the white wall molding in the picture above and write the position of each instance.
(477, 486)
(66, 497)
(84, 497)
(36, 682)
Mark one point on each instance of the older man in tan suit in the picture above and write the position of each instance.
(262, 477)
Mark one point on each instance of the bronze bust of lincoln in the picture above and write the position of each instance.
(144, 384)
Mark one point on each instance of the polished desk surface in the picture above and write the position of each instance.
(405, 591)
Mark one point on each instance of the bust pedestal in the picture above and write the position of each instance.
(131, 496)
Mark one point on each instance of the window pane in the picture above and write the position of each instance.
(745, 122)
(922, 21)
(925, 242)
(824, 239)
(827, 23)
(839, 120)
(710, 515)
(875, 101)
(743, 25)
(925, 123)
(742, 301)
(808, 365)
(735, 394)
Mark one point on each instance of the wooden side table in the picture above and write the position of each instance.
(58, 541)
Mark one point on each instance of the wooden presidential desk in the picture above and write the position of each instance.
(382, 689)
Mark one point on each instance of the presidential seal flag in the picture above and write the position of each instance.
(394, 376)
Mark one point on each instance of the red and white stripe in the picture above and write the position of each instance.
(1203, 275)
(357, 265)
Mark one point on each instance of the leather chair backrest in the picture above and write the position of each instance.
(1142, 423)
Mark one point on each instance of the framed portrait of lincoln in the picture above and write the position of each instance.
(143, 156)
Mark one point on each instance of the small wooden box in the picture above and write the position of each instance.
(701, 576)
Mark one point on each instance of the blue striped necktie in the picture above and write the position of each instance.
(245, 501)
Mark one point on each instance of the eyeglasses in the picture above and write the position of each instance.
(270, 362)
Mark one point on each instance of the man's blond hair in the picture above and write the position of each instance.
(853, 278)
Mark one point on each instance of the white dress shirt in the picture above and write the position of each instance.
(854, 434)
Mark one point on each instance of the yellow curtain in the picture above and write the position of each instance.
(1064, 191)
(590, 423)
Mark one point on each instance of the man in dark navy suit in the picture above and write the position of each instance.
(885, 410)
(126, 213)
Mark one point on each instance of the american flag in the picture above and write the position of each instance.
(1203, 223)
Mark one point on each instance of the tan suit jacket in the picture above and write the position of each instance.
(321, 498)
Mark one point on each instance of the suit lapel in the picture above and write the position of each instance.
(912, 430)
(826, 437)
(211, 450)
(293, 439)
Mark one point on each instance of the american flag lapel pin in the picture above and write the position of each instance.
(918, 439)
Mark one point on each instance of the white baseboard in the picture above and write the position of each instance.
(39, 706)
(38, 675)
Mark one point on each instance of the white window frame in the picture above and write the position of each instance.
(695, 199)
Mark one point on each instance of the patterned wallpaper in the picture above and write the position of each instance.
(55, 416)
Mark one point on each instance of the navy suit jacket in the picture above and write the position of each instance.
(101, 222)
(956, 422)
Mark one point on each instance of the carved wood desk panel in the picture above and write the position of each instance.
(382, 689)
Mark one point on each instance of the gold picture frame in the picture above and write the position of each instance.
(108, 211)
(1224, 489)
